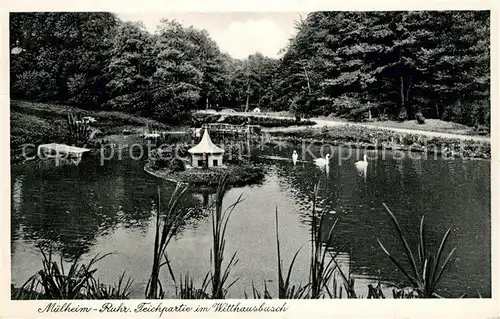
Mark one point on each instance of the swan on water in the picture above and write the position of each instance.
(295, 156)
(322, 161)
(362, 165)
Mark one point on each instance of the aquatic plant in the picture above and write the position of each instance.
(321, 270)
(187, 289)
(285, 289)
(424, 275)
(98, 290)
(165, 230)
(220, 218)
(79, 131)
(52, 282)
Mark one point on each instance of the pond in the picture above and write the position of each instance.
(92, 208)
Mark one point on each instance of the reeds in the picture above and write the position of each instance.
(220, 218)
(217, 278)
(52, 281)
(425, 274)
(189, 291)
(121, 290)
(321, 269)
(285, 289)
(166, 228)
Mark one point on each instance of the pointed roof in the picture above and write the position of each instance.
(206, 146)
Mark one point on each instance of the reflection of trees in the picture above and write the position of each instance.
(446, 192)
(345, 196)
(69, 207)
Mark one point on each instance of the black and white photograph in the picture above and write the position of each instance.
(249, 155)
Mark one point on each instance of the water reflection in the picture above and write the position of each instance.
(70, 210)
(93, 208)
(411, 190)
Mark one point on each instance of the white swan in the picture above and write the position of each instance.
(362, 165)
(322, 161)
(295, 157)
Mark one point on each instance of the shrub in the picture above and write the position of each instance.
(233, 154)
(176, 165)
(420, 118)
(35, 85)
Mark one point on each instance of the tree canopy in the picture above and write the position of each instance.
(394, 64)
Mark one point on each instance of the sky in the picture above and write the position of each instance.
(237, 33)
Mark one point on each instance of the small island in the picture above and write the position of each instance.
(208, 162)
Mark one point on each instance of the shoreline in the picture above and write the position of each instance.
(238, 175)
(380, 139)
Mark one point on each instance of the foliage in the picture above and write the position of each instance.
(67, 50)
(426, 271)
(285, 289)
(393, 64)
(79, 130)
(121, 290)
(233, 154)
(402, 63)
(52, 282)
(219, 275)
(130, 68)
(166, 227)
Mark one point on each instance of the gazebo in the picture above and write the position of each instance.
(206, 153)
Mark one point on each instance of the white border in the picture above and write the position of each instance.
(451, 308)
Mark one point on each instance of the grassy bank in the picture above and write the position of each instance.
(430, 125)
(239, 175)
(37, 123)
(371, 138)
(41, 122)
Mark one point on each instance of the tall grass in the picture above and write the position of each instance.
(220, 218)
(53, 282)
(216, 283)
(166, 227)
(189, 291)
(285, 289)
(321, 269)
(121, 290)
(425, 271)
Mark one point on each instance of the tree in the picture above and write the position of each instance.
(177, 81)
(131, 68)
(69, 50)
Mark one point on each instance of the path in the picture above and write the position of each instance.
(333, 123)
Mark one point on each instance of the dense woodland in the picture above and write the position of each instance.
(394, 64)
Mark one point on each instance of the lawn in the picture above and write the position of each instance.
(432, 125)
(37, 123)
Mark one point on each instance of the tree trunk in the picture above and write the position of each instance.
(409, 108)
(248, 97)
(403, 115)
(307, 79)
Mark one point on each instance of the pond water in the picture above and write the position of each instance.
(92, 208)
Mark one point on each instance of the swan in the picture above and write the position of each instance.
(362, 165)
(322, 161)
(295, 156)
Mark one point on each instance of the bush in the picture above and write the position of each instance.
(176, 165)
(233, 154)
(420, 118)
(35, 85)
